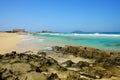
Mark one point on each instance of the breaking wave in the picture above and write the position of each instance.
(78, 34)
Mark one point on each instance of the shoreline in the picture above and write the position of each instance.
(107, 43)
(20, 42)
(60, 63)
(8, 42)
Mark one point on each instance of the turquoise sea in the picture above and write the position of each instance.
(103, 40)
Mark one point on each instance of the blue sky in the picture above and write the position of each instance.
(60, 15)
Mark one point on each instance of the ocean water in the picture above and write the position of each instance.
(105, 40)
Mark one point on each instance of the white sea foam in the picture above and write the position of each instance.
(55, 34)
(76, 34)
(27, 39)
(32, 38)
(99, 35)
(94, 35)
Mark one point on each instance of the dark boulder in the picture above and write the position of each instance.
(85, 52)
(68, 63)
(53, 76)
(57, 49)
(70, 50)
(14, 52)
(81, 64)
(95, 73)
(75, 76)
(1, 56)
(112, 61)
(43, 54)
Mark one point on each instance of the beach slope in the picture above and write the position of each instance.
(8, 42)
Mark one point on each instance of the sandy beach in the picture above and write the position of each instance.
(8, 42)
(58, 63)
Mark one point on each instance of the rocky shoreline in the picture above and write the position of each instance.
(45, 65)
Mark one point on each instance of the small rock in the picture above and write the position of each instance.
(81, 64)
(57, 49)
(68, 63)
(53, 76)
(43, 54)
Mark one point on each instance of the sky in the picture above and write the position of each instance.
(60, 15)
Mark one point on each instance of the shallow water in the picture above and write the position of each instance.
(108, 41)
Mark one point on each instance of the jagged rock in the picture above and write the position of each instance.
(112, 61)
(85, 52)
(14, 52)
(81, 64)
(108, 62)
(53, 76)
(28, 52)
(57, 49)
(11, 71)
(1, 56)
(38, 70)
(13, 66)
(9, 56)
(70, 50)
(34, 76)
(95, 73)
(5, 74)
(116, 61)
(21, 67)
(60, 68)
(43, 54)
(6, 66)
(75, 76)
(68, 63)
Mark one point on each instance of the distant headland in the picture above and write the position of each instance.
(24, 31)
(77, 31)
